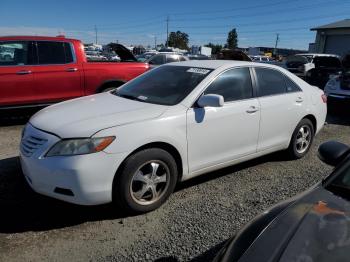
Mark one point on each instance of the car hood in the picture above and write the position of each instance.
(315, 228)
(85, 116)
(123, 52)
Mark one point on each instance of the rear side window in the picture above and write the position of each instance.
(15, 53)
(54, 53)
(291, 86)
(327, 62)
(270, 82)
(235, 84)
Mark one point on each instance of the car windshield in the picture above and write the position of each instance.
(327, 62)
(165, 85)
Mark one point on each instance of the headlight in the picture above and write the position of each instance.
(80, 146)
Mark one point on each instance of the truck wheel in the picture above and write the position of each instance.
(146, 181)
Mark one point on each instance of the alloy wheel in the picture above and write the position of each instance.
(303, 139)
(150, 182)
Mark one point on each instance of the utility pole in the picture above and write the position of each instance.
(277, 40)
(95, 34)
(167, 31)
(155, 42)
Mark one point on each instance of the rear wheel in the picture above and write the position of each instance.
(146, 181)
(302, 139)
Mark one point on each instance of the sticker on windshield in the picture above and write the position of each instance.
(196, 70)
(142, 97)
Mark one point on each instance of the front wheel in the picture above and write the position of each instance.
(146, 181)
(302, 139)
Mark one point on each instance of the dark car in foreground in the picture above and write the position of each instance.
(313, 226)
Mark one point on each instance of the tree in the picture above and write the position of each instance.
(232, 39)
(178, 39)
(215, 48)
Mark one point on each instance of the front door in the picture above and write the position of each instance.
(16, 73)
(222, 134)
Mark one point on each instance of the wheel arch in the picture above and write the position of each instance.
(173, 151)
(313, 120)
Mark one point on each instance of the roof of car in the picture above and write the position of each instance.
(214, 64)
(35, 38)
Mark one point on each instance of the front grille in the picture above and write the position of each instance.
(30, 144)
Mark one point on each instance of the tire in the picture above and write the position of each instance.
(137, 188)
(297, 147)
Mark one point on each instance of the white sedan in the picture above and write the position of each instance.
(133, 145)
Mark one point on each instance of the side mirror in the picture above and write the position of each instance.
(333, 152)
(211, 100)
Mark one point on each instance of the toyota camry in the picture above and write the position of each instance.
(131, 146)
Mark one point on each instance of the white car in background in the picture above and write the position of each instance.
(133, 145)
(260, 58)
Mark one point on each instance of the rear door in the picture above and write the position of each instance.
(58, 75)
(282, 107)
(16, 78)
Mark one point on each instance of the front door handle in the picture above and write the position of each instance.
(299, 99)
(24, 72)
(72, 69)
(252, 109)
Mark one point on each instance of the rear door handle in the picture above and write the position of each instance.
(299, 99)
(252, 109)
(24, 72)
(73, 69)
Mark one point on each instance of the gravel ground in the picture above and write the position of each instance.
(192, 225)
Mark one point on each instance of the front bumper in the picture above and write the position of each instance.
(83, 179)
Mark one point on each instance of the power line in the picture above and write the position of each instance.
(266, 23)
(235, 9)
(257, 14)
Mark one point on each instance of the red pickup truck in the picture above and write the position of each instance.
(43, 70)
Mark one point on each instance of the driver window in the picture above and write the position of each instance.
(234, 84)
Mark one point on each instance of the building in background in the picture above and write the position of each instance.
(333, 38)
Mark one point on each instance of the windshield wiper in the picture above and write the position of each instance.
(129, 97)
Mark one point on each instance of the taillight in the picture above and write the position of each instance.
(324, 98)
